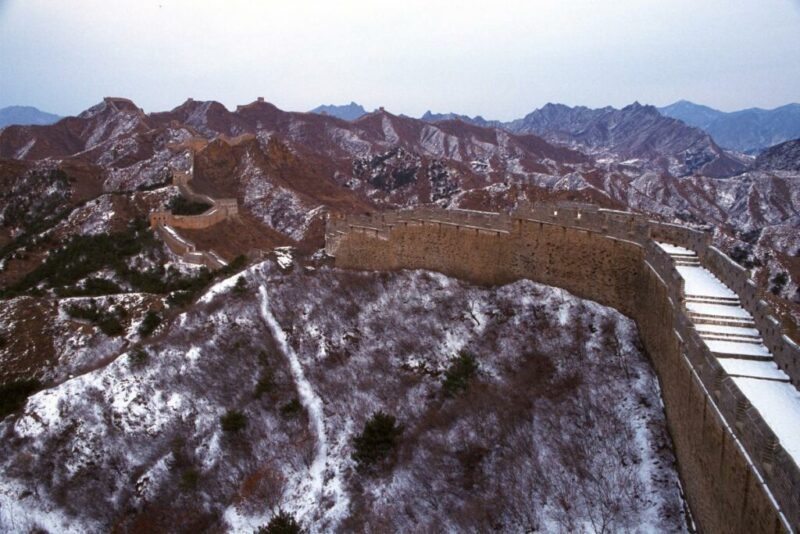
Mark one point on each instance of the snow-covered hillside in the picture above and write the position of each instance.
(561, 429)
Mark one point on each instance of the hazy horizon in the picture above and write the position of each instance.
(500, 63)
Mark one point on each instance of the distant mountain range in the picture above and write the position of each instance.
(633, 132)
(348, 112)
(749, 130)
(25, 115)
(429, 116)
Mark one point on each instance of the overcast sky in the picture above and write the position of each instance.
(500, 59)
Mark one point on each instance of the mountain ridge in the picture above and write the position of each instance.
(635, 131)
(747, 130)
(348, 112)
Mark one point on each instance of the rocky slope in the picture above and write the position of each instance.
(782, 157)
(137, 444)
(285, 169)
(633, 132)
(748, 130)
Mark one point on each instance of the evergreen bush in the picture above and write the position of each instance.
(233, 421)
(13, 395)
(281, 523)
(149, 323)
(458, 376)
(380, 435)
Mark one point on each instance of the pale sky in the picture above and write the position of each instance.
(500, 59)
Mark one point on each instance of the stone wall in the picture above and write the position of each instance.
(221, 208)
(164, 221)
(737, 476)
(187, 252)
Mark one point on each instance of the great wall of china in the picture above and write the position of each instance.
(720, 354)
(165, 222)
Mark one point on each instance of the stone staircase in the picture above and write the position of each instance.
(722, 323)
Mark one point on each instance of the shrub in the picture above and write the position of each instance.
(281, 523)
(180, 298)
(13, 394)
(264, 384)
(92, 287)
(237, 263)
(751, 236)
(138, 358)
(739, 254)
(85, 254)
(189, 480)
(457, 377)
(240, 288)
(182, 206)
(233, 421)
(380, 435)
(108, 323)
(149, 323)
(293, 408)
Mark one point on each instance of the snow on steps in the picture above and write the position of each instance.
(732, 333)
(738, 349)
(729, 332)
(765, 370)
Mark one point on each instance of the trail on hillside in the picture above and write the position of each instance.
(308, 494)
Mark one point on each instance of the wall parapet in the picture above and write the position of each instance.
(519, 237)
(186, 250)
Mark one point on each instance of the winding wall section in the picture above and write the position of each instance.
(165, 222)
(737, 476)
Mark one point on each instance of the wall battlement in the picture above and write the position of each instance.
(738, 476)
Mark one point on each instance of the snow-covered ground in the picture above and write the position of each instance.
(139, 441)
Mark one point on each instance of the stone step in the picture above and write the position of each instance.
(730, 337)
(729, 301)
(738, 350)
(721, 321)
(683, 254)
(732, 330)
(762, 370)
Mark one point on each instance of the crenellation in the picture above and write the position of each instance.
(611, 257)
